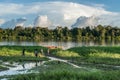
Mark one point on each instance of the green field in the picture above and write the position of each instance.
(14, 53)
(97, 63)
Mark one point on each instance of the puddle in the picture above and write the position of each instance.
(20, 68)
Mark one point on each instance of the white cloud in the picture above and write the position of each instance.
(14, 22)
(42, 21)
(63, 13)
(85, 22)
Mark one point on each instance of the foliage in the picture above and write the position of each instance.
(14, 53)
(77, 34)
(3, 68)
(67, 54)
(97, 55)
(62, 71)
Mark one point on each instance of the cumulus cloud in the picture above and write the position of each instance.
(14, 22)
(63, 13)
(42, 21)
(86, 21)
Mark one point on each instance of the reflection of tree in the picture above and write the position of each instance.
(36, 64)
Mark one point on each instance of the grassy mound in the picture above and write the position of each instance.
(67, 54)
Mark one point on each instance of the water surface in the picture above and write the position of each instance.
(64, 45)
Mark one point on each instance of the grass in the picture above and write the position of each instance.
(68, 75)
(95, 55)
(62, 71)
(67, 54)
(21, 59)
(17, 50)
(3, 68)
(14, 53)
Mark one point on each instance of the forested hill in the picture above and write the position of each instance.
(37, 33)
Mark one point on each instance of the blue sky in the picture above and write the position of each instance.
(60, 12)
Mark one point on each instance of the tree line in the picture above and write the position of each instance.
(38, 33)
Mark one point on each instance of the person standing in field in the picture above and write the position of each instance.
(23, 52)
(36, 52)
(42, 51)
(48, 51)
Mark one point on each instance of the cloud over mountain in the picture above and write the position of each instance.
(14, 22)
(85, 21)
(59, 13)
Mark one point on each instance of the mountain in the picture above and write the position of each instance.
(42, 21)
(83, 21)
(14, 22)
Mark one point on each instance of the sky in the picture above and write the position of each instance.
(112, 5)
(60, 12)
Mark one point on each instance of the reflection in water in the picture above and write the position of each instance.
(23, 65)
(64, 45)
(20, 68)
(36, 64)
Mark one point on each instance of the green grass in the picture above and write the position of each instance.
(3, 68)
(62, 71)
(17, 50)
(14, 53)
(68, 75)
(95, 55)
(21, 59)
(67, 54)
(96, 49)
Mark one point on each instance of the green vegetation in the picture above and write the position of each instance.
(97, 63)
(77, 34)
(14, 53)
(70, 75)
(67, 54)
(94, 55)
(62, 71)
(3, 68)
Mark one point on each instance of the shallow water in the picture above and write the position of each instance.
(20, 68)
(24, 68)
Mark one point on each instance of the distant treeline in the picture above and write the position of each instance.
(38, 33)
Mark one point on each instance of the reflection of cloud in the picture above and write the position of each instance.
(2, 21)
(14, 22)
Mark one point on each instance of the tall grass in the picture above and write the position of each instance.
(68, 75)
(67, 54)
(97, 55)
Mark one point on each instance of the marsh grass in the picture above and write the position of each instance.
(62, 71)
(3, 68)
(67, 54)
(96, 55)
